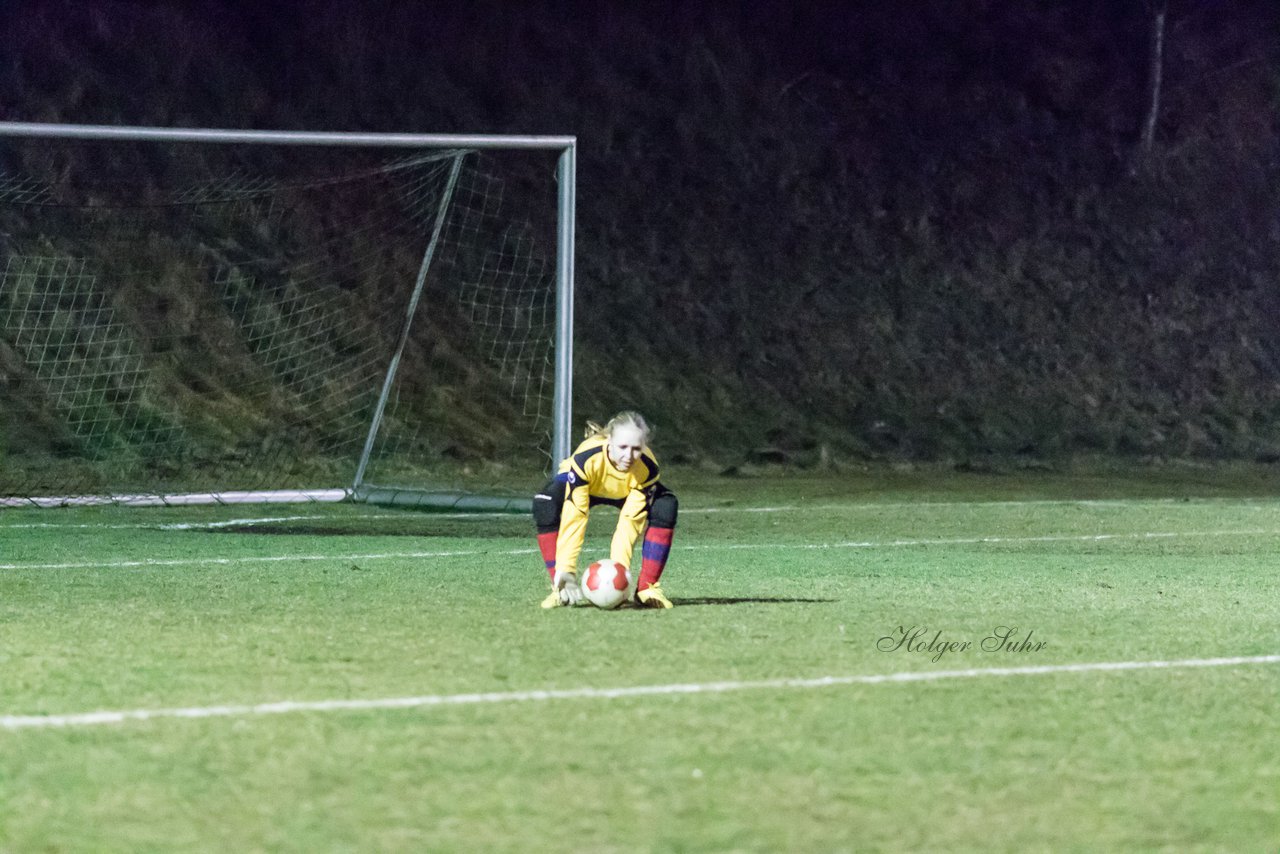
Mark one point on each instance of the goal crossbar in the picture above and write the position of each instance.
(286, 137)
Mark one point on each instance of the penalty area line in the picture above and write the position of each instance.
(102, 718)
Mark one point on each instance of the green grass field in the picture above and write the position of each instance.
(778, 582)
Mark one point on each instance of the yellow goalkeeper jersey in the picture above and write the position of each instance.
(590, 474)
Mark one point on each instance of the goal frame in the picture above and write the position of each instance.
(566, 177)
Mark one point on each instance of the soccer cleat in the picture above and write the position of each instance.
(552, 600)
(653, 597)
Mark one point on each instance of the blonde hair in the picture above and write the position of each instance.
(626, 417)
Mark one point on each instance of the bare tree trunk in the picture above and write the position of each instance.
(1154, 77)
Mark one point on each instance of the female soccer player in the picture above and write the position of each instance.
(613, 466)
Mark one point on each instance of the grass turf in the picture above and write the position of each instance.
(122, 609)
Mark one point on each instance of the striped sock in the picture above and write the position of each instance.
(547, 545)
(653, 555)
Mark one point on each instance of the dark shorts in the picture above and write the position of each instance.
(549, 501)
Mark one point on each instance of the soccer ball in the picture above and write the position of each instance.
(606, 584)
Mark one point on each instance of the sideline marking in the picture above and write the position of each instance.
(867, 544)
(17, 722)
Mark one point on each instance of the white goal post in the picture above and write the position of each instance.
(215, 315)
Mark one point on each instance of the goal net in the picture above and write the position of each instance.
(221, 316)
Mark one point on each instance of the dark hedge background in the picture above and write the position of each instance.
(917, 230)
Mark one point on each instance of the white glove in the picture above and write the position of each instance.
(566, 584)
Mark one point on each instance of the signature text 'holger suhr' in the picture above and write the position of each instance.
(920, 639)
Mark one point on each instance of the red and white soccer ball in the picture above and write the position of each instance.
(606, 584)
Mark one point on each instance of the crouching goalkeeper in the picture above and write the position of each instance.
(613, 466)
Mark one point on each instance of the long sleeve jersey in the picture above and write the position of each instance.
(589, 473)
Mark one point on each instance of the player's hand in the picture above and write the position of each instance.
(566, 584)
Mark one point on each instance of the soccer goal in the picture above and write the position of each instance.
(224, 316)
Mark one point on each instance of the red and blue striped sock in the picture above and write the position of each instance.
(547, 545)
(653, 555)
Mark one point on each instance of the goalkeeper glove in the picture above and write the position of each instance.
(566, 584)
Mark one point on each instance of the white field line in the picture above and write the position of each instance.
(1244, 504)
(861, 544)
(235, 561)
(969, 541)
(234, 523)
(100, 718)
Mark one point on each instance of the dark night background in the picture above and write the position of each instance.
(921, 230)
